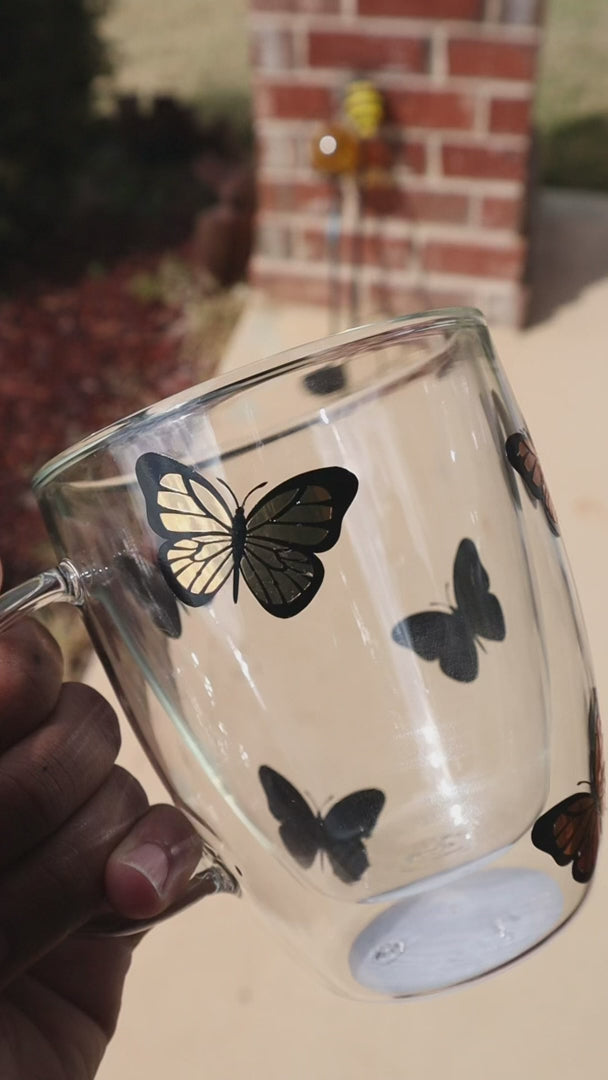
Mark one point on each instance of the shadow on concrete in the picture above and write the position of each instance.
(568, 248)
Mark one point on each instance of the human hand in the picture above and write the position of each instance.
(77, 839)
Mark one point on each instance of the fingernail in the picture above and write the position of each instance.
(151, 861)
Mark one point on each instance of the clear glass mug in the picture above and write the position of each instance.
(330, 593)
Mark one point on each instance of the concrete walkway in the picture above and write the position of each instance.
(212, 996)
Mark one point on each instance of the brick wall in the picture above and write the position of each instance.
(447, 225)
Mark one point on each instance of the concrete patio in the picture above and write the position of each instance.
(212, 995)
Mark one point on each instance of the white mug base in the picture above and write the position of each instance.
(456, 932)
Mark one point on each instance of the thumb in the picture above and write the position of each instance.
(151, 867)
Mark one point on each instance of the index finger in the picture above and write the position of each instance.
(31, 670)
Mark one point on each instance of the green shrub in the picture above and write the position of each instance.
(574, 153)
(50, 55)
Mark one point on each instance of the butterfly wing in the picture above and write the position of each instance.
(523, 457)
(348, 860)
(283, 581)
(354, 816)
(583, 865)
(299, 829)
(596, 752)
(284, 530)
(344, 828)
(193, 517)
(569, 832)
(151, 591)
(437, 635)
(479, 607)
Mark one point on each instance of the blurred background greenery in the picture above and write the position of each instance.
(180, 54)
(106, 109)
(126, 207)
(105, 105)
(199, 52)
(572, 101)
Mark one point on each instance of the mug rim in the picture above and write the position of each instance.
(287, 360)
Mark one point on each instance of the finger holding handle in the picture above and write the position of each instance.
(81, 847)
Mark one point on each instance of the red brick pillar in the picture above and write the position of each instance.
(458, 81)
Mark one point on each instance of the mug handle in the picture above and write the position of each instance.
(61, 584)
(213, 879)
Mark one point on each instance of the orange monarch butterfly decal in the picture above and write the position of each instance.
(570, 831)
(524, 459)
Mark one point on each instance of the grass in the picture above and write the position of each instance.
(189, 48)
(194, 50)
(572, 100)
(574, 63)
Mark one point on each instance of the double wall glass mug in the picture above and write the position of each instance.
(330, 592)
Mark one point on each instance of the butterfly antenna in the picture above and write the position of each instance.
(312, 801)
(256, 488)
(226, 485)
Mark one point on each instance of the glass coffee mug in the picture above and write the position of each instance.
(330, 593)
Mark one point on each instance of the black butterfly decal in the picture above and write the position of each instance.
(326, 380)
(272, 547)
(451, 638)
(524, 459)
(340, 833)
(570, 831)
